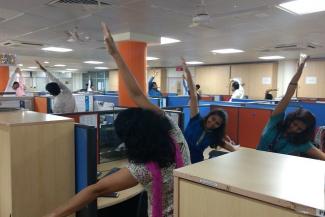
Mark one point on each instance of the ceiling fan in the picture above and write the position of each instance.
(74, 35)
(202, 17)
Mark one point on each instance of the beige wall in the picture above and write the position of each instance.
(256, 78)
(213, 79)
(307, 88)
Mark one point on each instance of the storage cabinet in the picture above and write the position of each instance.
(36, 163)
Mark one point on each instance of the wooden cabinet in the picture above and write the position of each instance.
(250, 183)
(251, 125)
(36, 163)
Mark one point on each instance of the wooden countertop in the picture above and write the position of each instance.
(288, 181)
(124, 195)
(15, 118)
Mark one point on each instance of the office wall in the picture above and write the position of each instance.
(256, 78)
(213, 79)
(286, 71)
(312, 81)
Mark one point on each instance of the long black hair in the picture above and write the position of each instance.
(146, 135)
(307, 118)
(219, 132)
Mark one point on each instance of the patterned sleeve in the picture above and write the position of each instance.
(177, 134)
(140, 173)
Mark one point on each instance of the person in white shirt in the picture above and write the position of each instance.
(63, 99)
(238, 91)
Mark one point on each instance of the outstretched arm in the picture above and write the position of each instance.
(132, 85)
(193, 96)
(290, 90)
(52, 77)
(116, 182)
(185, 85)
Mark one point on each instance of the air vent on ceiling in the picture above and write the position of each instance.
(14, 43)
(101, 48)
(79, 2)
(290, 47)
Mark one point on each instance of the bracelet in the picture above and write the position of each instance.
(293, 83)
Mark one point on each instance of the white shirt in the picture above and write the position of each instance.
(64, 102)
(239, 93)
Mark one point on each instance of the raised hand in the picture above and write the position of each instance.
(109, 41)
(40, 66)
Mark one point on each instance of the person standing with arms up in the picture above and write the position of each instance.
(64, 101)
(153, 88)
(293, 134)
(18, 85)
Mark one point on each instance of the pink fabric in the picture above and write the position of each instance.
(156, 189)
(20, 91)
(157, 185)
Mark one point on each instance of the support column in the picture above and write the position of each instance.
(4, 77)
(134, 54)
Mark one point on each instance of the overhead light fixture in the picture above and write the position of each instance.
(28, 70)
(71, 69)
(227, 51)
(271, 57)
(46, 62)
(93, 62)
(166, 40)
(302, 7)
(33, 67)
(152, 58)
(57, 49)
(194, 62)
(101, 67)
(20, 65)
(60, 65)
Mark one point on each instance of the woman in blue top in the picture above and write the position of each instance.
(203, 132)
(153, 87)
(291, 135)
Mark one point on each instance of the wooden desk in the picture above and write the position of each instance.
(103, 202)
(36, 163)
(249, 183)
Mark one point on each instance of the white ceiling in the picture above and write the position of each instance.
(250, 25)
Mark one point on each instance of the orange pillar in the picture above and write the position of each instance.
(134, 54)
(4, 77)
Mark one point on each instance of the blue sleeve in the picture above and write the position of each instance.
(150, 82)
(273, 122)
(195, 119)
(304, 148)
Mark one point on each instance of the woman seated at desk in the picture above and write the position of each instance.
(153, 152)
(291, 135)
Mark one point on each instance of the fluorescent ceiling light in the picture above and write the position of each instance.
(303, 6)
(93, 62)
(60, 65)
(271, 57)
(165, 40)
(152, 58)
(101, 67)
(71, 69)
(46, 62)
(20, 65)
(33, 67)
(227, 51)
(194, 62)
(57, 49)
(27, 70)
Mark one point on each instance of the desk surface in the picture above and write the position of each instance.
(124, 195)
(28, 118)
(293, 182)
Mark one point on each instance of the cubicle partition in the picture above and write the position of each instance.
(86, 164)
(22, 102)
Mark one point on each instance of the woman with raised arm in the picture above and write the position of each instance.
(155, 147)
(64, 101)
(203, 132)
(293, 134)
(18, 85)
(153, 87)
